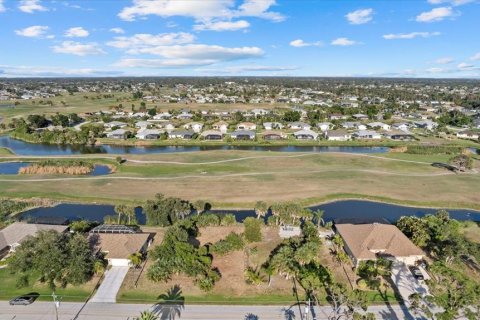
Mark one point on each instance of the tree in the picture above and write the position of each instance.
(291, 116)
(147, 315)
(165, 211)
(314, 278)
(59, 258)
(344, 303)
(125, 211)
(462, 161)
(253, 229)
(261, 209)
(199, 206)
(318, 217)
(135, 259)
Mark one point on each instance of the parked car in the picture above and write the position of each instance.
(23, 300)
(416, 273)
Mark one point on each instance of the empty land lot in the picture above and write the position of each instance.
(251, 176)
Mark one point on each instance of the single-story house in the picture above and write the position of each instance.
(117, 247)
(305, 135)
(367, 134)
(401, 126)
(468, 134)
(212, 135)
(181, 134)
(115, 124)
(274, 135)
(117, 134)
(167, 126)
(299, 125)
(14, 234)
(272, 125)
(243, 135)
(148, 134)
(221, 126)
(338, 135)
(354, 125)
(162, 116)
(337, 116)
(379, 125)
(246, 126)
(324, 126)
(369, 241)
(195, 126)
(360, 116)
(426, 124)
(400, 135)
(185, 116)
(142, 124)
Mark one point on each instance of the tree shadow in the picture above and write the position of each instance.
(288, 314)
(171, 304)
(251, 316)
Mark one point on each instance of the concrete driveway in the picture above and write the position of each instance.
(107, 292)
(406, 283)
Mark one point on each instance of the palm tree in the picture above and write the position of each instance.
(99, 266)
(147, 315)
(171, 304)
(318, 216)
(261, 209)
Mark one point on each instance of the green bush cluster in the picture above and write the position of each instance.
(232, 242)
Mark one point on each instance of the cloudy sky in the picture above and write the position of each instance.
(401, 38)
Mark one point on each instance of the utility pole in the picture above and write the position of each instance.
(307, 309)
(56, 302)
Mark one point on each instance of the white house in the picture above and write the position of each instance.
(162, 116)
(324, 126)
(367, 134)
(195, 126)
(379, 125)
(246, 126)
(148, 134)
(221, 126)
(272, 125)
(305, 135)
(468, 134)
(117, 134)
(114, 124)
(299, 125)
(117, 247)
(338, 135)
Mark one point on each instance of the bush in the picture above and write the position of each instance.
(228, 220)
(82, 226)
(232, 242)
(434, 149)
(208, 219)
(253, 229)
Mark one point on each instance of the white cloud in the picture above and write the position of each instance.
(435, 70)
(30, 6)
(475, 57)
(445, 60)
(190, 55)
(360, 16)
(410, 35)
(117, 30)
(2, 7)
(201, 11)
(452, 2)
(222, 25)
(300, 43)
(48, 71)
(343, 42)
(78, 49)
(436, 14)
(76, 32)
(465, 66)
(145, 40)
(246, 69)
(32, 32)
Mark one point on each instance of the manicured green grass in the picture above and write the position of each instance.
(8, 289)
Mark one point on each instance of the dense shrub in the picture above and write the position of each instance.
(434, 149)
(228, 220)
(253, 229)
(232, 242)
(208, 220)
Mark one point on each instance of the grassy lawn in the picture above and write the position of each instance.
(472, 232)
(5, 152)
(8, 289)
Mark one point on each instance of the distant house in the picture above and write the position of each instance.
(184, 116)
(167, 126)
(468, 134)
(162, 116)
(243, 135)
(426, 124)
(370, 241)
(221, 126)
(273, 135)
(259, 112)
(212, 135)
(337, 116)
(401, 126)
(117, 247)
(338, 135)
(181, 134)
(115, 124)
(305, 135)
(400, 135)
(195, 126)
(142, 124)
(360, 116)
(299, 126)
(324, 126)
(367, 134)
(379, 125)
(14, 234)
(117, 134)
(246, 126)
(148, 134)
(272, 125)
(354, 125)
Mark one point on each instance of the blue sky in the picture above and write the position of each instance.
(414, 38)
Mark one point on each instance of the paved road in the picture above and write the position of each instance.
(112, 311)
(107, 292)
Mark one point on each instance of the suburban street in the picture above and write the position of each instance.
(110, 311)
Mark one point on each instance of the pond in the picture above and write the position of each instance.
(36, 149)
(357, 210)
(12, 168)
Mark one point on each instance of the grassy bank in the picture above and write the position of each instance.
(6, 152)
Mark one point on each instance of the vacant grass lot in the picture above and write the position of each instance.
(269, 176)
(8, 289)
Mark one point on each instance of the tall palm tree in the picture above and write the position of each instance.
(261, 209)
(171, 304)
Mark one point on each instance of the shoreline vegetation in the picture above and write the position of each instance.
(71, 167)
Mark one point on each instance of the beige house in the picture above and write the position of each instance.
(368, 241)
(119, 246)
(13, 235)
